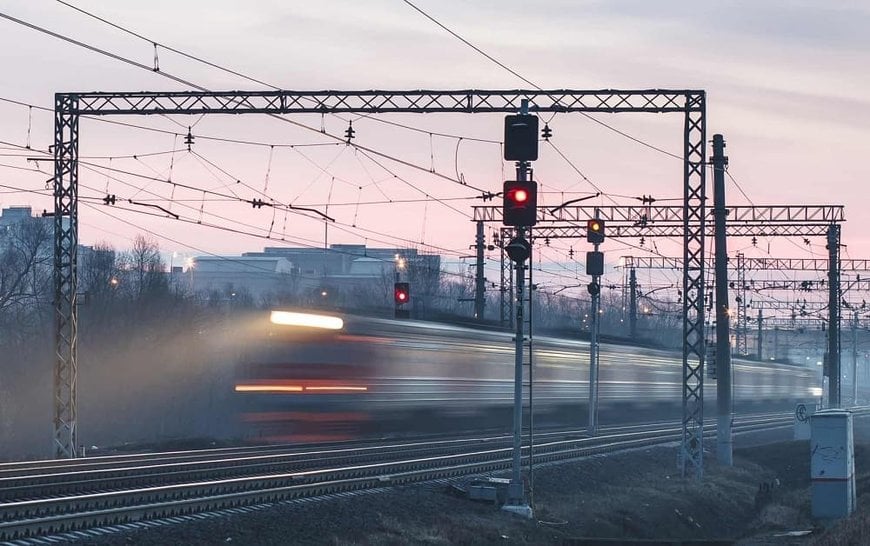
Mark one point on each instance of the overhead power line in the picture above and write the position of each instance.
(536, 86)
(201, 88)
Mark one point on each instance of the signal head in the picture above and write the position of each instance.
(595, 231)
(520, 203)
(402, 293)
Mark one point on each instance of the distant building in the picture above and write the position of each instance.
(339, 275)
(350, 260)
(228, 276)
(11, 216)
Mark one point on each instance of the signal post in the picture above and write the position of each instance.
(595, 268)
(520, 208)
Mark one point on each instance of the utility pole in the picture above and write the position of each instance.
(479, 281)
(834, 316)
(632, 303)
(723, 330)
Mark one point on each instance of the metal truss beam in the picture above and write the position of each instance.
(751, 264)
(783, 285)
(808, 285)
(694, 216)
(785, 322)
(742, 329)
(506, 288)
(66, 149)
(676, 231)
(788, 305)
(647, 215)
(373, 101)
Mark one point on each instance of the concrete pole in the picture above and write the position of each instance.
(723, 330)
(834, 316)
(479, 281)
(632, 303)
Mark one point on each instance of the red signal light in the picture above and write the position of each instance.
(402, 292)
(519, 203)
(520, 195)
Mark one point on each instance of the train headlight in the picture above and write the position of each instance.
(308, 320)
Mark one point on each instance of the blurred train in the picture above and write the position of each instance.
(307, 376)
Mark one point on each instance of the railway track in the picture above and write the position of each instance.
(60, 496)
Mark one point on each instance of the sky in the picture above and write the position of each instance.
(785, 83)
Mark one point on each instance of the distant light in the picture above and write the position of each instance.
(113, 281)
(287, 318)
(324, 293)
(819, 363)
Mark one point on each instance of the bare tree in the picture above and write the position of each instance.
(145, 268)
(25, 270)
(99, 273)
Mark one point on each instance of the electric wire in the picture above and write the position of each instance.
(539, 88)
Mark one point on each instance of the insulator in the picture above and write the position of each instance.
(546, 132)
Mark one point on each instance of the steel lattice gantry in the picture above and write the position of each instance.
(777, 305)
(667, 221)
(753, 264)
(690, 103)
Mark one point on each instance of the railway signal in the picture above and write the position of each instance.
(521, 137)
(520, 203)
(595, 231)
(402, 293)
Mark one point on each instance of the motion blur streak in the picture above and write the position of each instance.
(336, 388)
(268, 388)
(287, 318)
(409, 376)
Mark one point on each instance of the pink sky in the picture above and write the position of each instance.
(785, 83)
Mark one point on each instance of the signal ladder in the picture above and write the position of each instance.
(528, 361)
